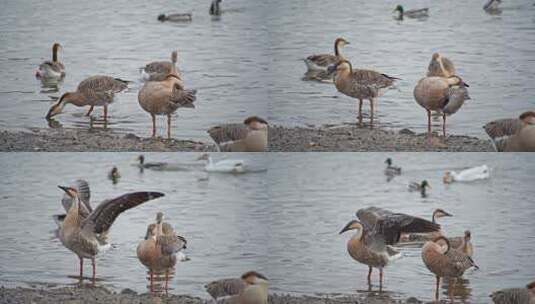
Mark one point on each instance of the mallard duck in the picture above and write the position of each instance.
(84, 233)
(223, 166)
(467, 175)
(317, 65)
(391, 170)
(114, 175)
(378, 229)
(444, 262)
(164, 98)
(440, 67)
(184, 17)
(361, 84)
(442, 95)
(159, 70)
(51, 69)
(251, 136)
(414, 13)
(95, 91)
(513, 135)
(420, 187)
(524, 295)
(234, 287)
(215, 9)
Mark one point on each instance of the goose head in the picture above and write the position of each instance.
(55, 48)
(159, 217)
(352, 225)
(531, 288)
(253, 278)
(343, 66)
(438, 213)
(338, 43)
(256, 123)
(57, 108)
(71, 192)
(151, 231)
(527, 118)
(174, 56)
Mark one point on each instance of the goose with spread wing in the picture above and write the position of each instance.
(379, 229)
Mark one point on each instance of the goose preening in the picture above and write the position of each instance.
(524, 295)
(492, 5)
(94, 91)
(215, 9)
(513, 135)
(422, 237)
(177, 17)
(317, 65)
(414, 13)
(51, 69)
(159, 249)
(361, 84)
(377, 230)
(440, 66)
(467, 175)
(390, 169)
(114, 175)
(251, 288)
(164, 98)
(84, 230)
(250, 136)
(442, 95)
(159, 70)
(443, 261)
(223, 166)
(463, 243)
(420, 187)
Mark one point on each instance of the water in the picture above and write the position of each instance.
(283, 222)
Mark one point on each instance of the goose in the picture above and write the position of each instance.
(420, 187)
(84, 192)
(468, 175)
(440, 67)
(215, 10)
(184, 17)
(317, 65)
(422, 237)
(463, 243)
(114, 175)
(223, 166)
(83, 233)
(251, 136)
(492, 5)
(391, 170)
(159, 249)
(51, 69)
(377, 230)
(524, 295)
(233, 287)
(361, 84)
(443, 95)
(93, 91)
(444, 262)
(164, 98)
(414, 13)
(158, 70)
(513, 135)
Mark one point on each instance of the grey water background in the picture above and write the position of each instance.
(283, 223)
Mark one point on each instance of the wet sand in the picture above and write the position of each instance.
(344, 138)
(90, 295)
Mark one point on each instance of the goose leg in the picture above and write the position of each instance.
(81, 268)
(153, 125)
(380, 278)
(360, 112)
(438, 286)
(371, 109)
(166, 280)
(105, 113)
(89, 111)
(370, 273)
(428, 126)
(168, 126)
(444, 125)
(94, 270)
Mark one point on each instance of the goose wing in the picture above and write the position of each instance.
(323, 60)
(171, 243)
(372, 79)
(105, 84)
(228, 132)
(503, 127)
(225, 287)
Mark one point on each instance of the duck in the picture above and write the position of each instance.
(317, 65)
(463, 243)
(250, 136)
(513, 135)
(93, 91)
(51, 69)
(233, 287)
(492, 5)
(164, 98)
(391, 170)
(361, 84)
(442, 95)
(159, 70)
(215, 9)
(114, 175)
(83, 233)
(422, 237)
(443, 261)
(414, 13)
(467, 175)
(525, 295)
(377, 230)
(159, 249)
(440, 66)
(183, 17)
(420, 187)
(223, 166)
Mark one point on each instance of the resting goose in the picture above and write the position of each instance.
(414, 13)
(361, 84)
(164, 98)
(184, 17)
(317, 64)
(513, 135)
(158, 70)
(239, 289)
(442, 95)
(95, 91)
(440, 66)
(251, 136)
(51, 69)
(525, 295)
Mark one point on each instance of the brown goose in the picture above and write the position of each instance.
(378, 229)
(158, 70)
(164, 98)
(158, 251)
(440, 66)
(93, 91)
(524, 295)
(442, 95)
(251, 136)
(443, 262)
(251, 288)
(513, 135)
(317, 64)
(51, 69)
(82, 234)
(361, 84)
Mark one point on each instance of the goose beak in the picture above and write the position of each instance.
(66, 189)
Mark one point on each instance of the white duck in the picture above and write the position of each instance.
(468, 175)
(223, 166)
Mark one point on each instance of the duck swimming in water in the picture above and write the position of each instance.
(414, 13)
(420, 187)
(391, 170)
(467, 175)
(184, 17)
